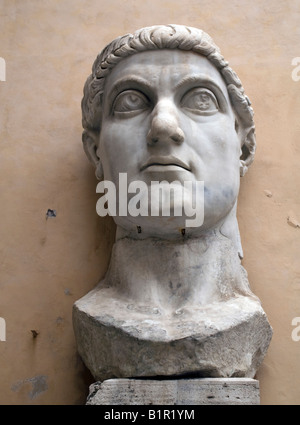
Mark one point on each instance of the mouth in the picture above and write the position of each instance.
(164, 163)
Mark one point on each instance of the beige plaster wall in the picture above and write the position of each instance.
(46, 264)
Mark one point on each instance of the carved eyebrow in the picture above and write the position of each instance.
(205, 82)
(139, 83)
(134, 82)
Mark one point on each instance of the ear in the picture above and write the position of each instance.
(90, 144)
(247, 139)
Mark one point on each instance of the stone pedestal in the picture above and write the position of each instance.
(221, 340)
(202, 391)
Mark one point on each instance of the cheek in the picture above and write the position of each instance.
(123, 132)
(223, 178)
(121, 148)
(215, 143)
(110, 152)
(216, 161)
(225, 172)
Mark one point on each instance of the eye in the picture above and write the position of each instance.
(201, 101)
(130, 101)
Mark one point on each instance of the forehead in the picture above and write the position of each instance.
(165, 67)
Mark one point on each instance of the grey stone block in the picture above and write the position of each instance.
(221, 340)
(202, 391)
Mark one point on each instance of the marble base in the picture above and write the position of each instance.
(202, 391)
(221, 340)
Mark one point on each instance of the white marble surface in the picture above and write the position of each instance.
(163, 105)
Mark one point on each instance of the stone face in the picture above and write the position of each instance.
(162, 105)
(205, 391)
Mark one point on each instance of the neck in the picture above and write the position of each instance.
(171, 274)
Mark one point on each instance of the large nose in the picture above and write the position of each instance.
(164, 124)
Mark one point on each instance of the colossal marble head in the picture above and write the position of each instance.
(162, 104)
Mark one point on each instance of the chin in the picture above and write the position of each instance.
(156, 227)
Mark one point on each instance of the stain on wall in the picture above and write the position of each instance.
(37, 384)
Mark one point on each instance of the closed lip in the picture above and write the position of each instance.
(165, 161)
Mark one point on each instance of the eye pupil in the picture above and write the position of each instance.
(200, 100)
(130, 101)
(133, 98)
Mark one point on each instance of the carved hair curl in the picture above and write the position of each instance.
(166, 37)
